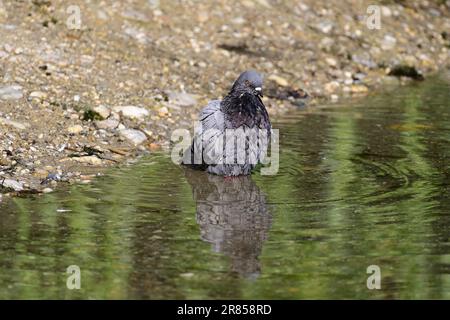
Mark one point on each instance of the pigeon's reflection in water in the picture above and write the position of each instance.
(233, 216)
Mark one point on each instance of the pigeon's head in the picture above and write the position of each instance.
(250, 82)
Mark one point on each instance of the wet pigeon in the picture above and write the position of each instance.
(234, 133)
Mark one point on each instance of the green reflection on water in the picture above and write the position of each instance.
(359, 184)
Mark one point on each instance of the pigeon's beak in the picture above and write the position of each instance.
(259, 91)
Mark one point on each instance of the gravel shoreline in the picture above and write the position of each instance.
(74, 101)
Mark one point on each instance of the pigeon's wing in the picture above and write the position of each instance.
(206, 146)
(211, 117)
(211, 132)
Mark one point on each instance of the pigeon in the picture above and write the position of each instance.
(234, 134)
(234, 217)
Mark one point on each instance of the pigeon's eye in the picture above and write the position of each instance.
(247, 83)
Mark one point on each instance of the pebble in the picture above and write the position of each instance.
(87, 60)
(348, 81)
(108, 124)
(264, 3)
(13, 92)
(325, 26)
(93, 160)
(364, 60)
(37, 95)
(163, 112)
(359, 88)
(331, 62)
(332, 86)
(47, 190)
(15, 124)
(388, 42)
(137, 34)
(385, 11)
(278, 80)
(182, 99)
(132, 112)
(12, 184)
(134, 15)
(154, 4)
(135, 136)
(75, 129)
(3, 12)
(103, 111)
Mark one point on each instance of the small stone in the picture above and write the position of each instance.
(385, 11)
(3, 12)
(137, 34)
(102, 15)
(332, 86)
(359, 88)
(182, 99)
(108, 124)
(37, 95)
(135, 136)
(15, 124)
(348, 81)
(134, 15)
(75, 129)
(12, 184)
(163, 112)
(238, 20)
(359, 76)
(278, 80)
(87, 60)
(154, 4)
(13, 92)
(325, 26)
(388, 42)
(47, 190)
(132, 112)
(365, 60)
(89, 160)
(331, 62)
(326, 43)
(248, 3)
(103, 111)
(202, 16)
(264, 3)
(154, 146)
(147, 132)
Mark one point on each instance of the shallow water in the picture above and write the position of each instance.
(361, 183)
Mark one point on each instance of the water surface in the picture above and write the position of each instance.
(360, 183)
